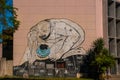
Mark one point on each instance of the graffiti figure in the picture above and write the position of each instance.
(54, 39)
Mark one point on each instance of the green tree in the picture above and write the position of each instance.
(98, 59)
(103, 60)
(9, 24)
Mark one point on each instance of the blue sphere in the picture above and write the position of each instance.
(43, 52)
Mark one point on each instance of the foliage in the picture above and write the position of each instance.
(103, 59)
(39, 78)
(98, 45)
(9, 23)
(98, 59)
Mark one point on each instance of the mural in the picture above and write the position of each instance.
(54, 39)
(53, 49)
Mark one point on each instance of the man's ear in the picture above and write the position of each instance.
(32, 37)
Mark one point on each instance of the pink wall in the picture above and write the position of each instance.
(99, 19)
(118, 0)
(86, 13)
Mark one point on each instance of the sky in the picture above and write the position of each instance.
(8, 14)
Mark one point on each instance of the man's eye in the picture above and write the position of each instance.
(43, 37)
(44, 30)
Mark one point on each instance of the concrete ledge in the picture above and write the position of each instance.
(6, 67)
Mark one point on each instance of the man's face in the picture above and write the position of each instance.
(44, 30)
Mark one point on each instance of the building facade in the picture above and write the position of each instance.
(54, 35)
(112, 30)
(71, 26)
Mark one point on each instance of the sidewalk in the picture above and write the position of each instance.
(115, 77)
